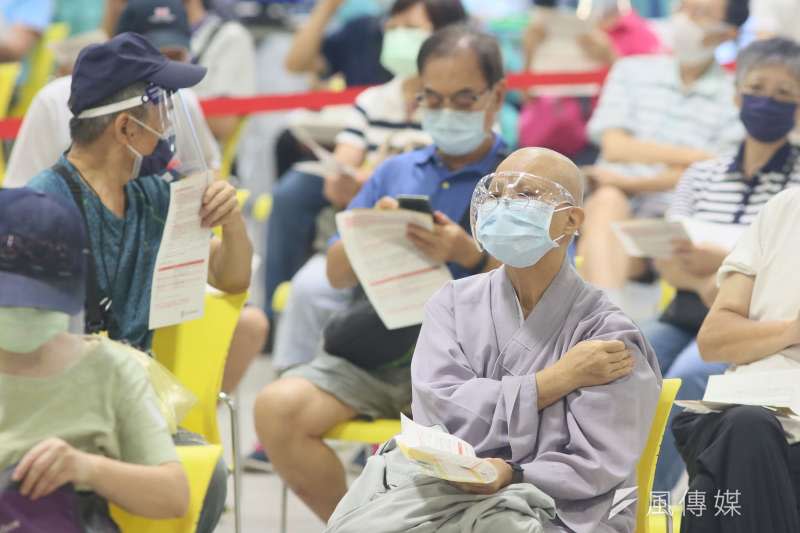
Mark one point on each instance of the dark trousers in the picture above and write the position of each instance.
(742, 469)
(297, 199)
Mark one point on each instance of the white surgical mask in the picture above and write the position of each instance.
(688, 37)
(24, 329)
(455, 133)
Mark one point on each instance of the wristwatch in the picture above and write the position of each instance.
(516, 472)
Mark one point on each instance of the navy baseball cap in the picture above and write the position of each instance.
(102, 70)
(163, 22)
(43, 252)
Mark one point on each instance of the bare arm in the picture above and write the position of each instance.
(149, 491)
(304, 53)
(663, 181)
(16, 42)
(729, 336)
(619, 146)
(340, 272)
(111, 15)
(229, 268)
(223, 128)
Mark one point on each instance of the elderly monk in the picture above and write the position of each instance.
(489, 363)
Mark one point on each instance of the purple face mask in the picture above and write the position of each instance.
(767, 119)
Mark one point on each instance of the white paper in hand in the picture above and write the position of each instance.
(442, 455)
(181, 271)
(397, 278)
(649, 237)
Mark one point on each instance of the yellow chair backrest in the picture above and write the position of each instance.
(668, 292)
(230, 150)
(374, 432)
(195, 352)
(9, 72)
(42, 61)
(646, 470)
(199, 463)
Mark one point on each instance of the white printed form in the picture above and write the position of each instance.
(397, 278)
(179, 278)
(442, 455)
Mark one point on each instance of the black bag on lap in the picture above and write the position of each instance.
(358, 335)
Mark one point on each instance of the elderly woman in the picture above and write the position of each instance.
(729, 191)
(744, 462)
(495, 365)
(75, 410)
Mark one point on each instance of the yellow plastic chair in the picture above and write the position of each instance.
(199, 463)
(668, 293)
(42, 61)
(646, 470)
(9, 72)
(195, 352)
(281, 296)
(231, 149)
(359, 431)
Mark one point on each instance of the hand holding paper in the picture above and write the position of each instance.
(442, 455)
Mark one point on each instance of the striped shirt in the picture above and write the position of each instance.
(644, 95)
(717, 190)
(379, 124)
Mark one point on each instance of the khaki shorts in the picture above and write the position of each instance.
(382, 393)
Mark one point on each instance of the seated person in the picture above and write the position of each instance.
(463, 88)
(353, 50)
(728, 191)
(754, 325)
(49, 116)
(618, 32)
(22, 23)
(226, 49)
(502, 359)
(76, 409)
(117, 123)
(656, 116)
(383, 119)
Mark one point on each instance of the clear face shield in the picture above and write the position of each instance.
(177, 153)
(510, 216)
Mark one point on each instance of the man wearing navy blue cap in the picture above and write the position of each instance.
(120, 147)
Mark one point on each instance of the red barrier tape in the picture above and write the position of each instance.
(319, 99)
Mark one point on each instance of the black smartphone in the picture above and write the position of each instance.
(415, 202)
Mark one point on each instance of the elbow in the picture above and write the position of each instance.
(336, 280)
(235, 286)
(179, 504)
(174, 501)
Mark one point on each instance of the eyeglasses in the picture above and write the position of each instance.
(39, 258)
(462, 100)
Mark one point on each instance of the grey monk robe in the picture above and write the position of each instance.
(474, 370)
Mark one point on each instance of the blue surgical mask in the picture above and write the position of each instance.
(157, 163)
(516, 232)
(455, 132)
(767, 119)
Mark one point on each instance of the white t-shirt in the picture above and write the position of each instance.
(768, 251)
(780, 17)
(229, 54)
(44, 134)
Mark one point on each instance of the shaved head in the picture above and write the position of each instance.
(549, 164)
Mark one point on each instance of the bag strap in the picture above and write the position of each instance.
(95, 307)
(207, 44)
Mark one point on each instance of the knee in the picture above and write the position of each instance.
(751, 420)
(607, 198)
(279, 407)
(253, 325)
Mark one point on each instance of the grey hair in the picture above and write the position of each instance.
(768, 52)
(85, 131)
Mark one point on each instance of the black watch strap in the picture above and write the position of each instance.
(516, 472)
